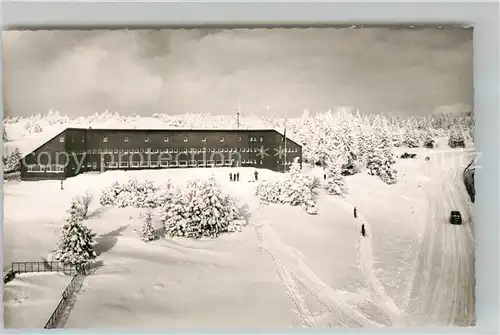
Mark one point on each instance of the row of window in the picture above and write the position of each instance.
(185, 150)
(53, 168)
(167, 139)
(165, 163)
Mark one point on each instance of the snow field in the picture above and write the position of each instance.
(30, 299)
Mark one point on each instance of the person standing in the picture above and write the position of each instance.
(238, 176)
(230, 176)
(355, 212)
(256, 174)
(363, 231)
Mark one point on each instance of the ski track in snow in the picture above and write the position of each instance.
(289, 265)
(443, 291)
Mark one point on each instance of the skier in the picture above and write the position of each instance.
(355, 212)
(256, 174)
(231, 176)
(363, 231)
(324, 176)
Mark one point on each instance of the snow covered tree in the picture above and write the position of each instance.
(334, 180)
(76, 245)
(410, 137)
(148, 230)
(5, 137)
(456, 139)
(429, 142)
(380, 160)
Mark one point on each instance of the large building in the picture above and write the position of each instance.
(78, 150)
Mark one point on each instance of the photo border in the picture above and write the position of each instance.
(483, 16)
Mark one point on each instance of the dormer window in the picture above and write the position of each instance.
(203, 139)
(165, 139)
(221, 139)
(185, 139)
(146, 139)
(239, 139)
(61, 139)
(126, 139)
(105, 139)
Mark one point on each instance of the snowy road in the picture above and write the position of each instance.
(443, 286)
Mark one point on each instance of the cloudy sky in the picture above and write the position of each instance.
(408, 71)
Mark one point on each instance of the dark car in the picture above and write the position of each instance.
(455, 217)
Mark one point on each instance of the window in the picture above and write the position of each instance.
(219, 163)
(48, 168)
(134, 164)
(251, 139)
(61, 139)
(203, 139)
(185, 139)
(221, 139)
(123, 164)
(30, 168)
(120, 150)
(227, 162)
(126, 139)
(105, 139)
(185, 150)
(225, 150)
(201, 163)
(182, 163)
(238, 139)
(261, 139)
(165, 139)
(175, 151)
(83, 139)
(141, 151)
(115, 151)
(260, 161)
(172, 164)
(155, 151)
(210, 163)
(99, 151)
(125, 151)
(146, 139)
(192, 163)
(147, 150)
(164, 163)
(144, 163)
(153, 164)
(94, 151)
(113, 165)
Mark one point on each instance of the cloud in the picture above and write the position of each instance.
(179, 71)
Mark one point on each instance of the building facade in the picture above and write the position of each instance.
(77, 150)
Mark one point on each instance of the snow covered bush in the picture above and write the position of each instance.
(334, 181)
(297, 190)
(203, 209)
(134, 193)
(84, 202)
(148, 230)
(456, 139)
(429, 143)
(382, 165)
(76, 245)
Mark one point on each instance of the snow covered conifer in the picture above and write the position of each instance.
(456, 139)
(76, 245)
(334, 180)
(410, 137)
(148, 230)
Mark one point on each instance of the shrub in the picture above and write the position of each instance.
(202, 210)
(297, 190)
(429, 143)
(135, 194)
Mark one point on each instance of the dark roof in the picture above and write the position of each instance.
(184, 129)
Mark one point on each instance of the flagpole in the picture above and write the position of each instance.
(284, 135)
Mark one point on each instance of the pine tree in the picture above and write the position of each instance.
(148, 230)
(5, 137)
(456, 139)
(76, 245)
(410, 138)
(334, 180)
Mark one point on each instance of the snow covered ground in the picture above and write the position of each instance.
(30, 299)
(285, 269)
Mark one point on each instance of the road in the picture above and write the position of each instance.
(443, 287)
